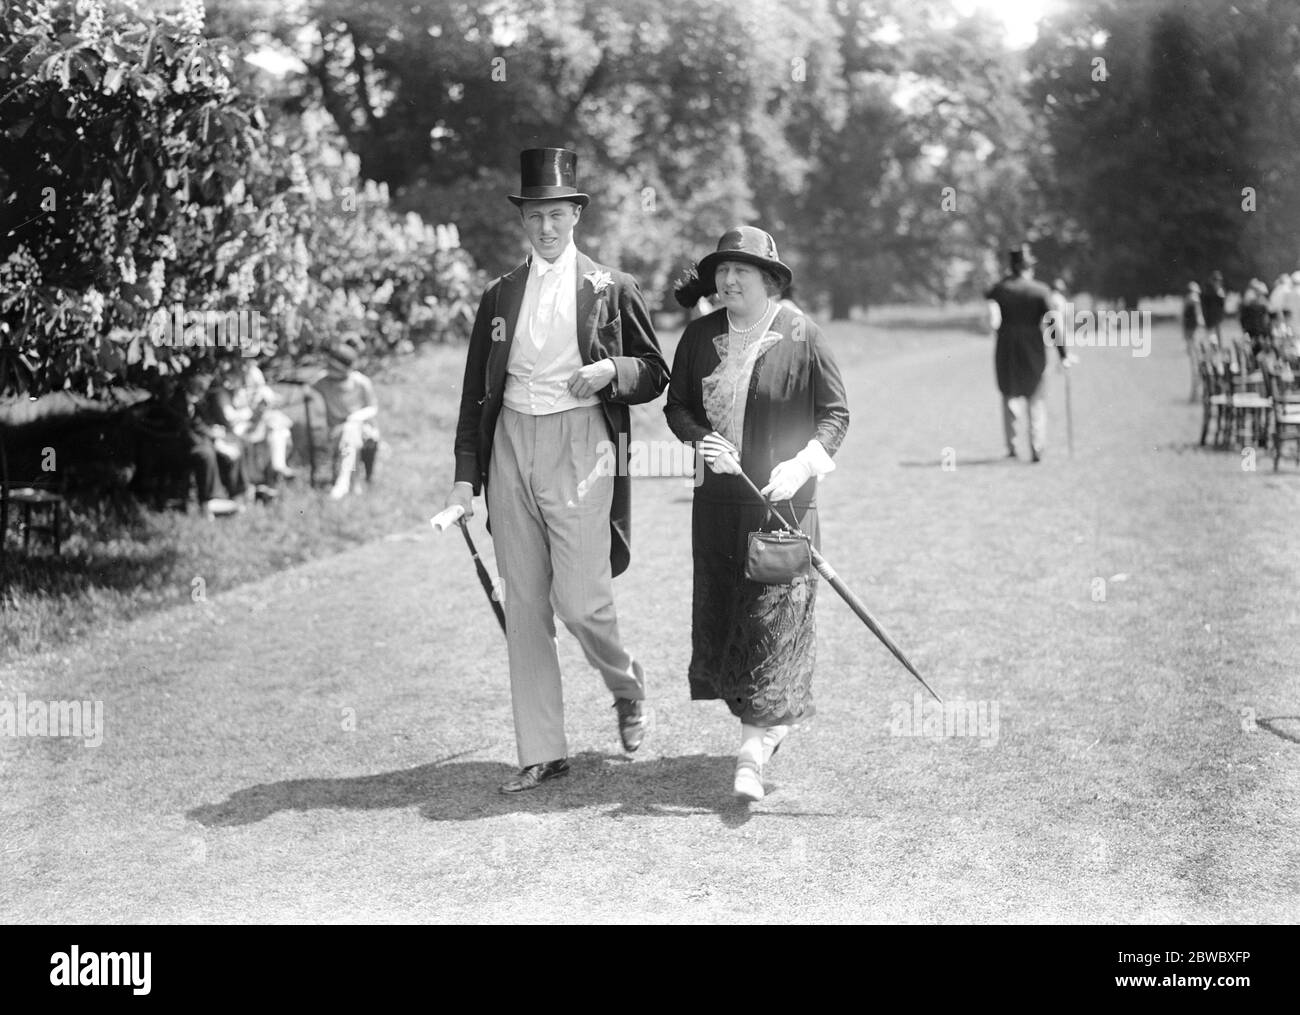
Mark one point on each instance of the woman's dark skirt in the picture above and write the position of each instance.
(752, 645)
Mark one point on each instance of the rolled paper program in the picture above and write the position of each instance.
(446, 518)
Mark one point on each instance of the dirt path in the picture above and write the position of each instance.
(325, 745)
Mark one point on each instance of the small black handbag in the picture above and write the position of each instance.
(777, 558)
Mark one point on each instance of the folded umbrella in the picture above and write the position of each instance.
(456, 514)
(837, 583)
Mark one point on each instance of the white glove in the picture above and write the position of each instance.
(787, 478)
(719, 454)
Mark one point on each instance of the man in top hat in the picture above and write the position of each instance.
(561, 347)
(1018, 306)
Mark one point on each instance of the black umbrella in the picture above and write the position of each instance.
(440, 522)
(837, 583)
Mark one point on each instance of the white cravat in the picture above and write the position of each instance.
(548, 309)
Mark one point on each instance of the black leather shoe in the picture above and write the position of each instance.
(531, 776)
(1037, 457)
(633, 720)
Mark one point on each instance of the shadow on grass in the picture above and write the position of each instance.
(452, 790)
(961, 463)
(1268, 724)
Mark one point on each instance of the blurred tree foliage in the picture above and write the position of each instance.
(837, 124)
(1175, 128)
(140, 173)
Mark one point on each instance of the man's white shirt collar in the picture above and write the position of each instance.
(541, 266)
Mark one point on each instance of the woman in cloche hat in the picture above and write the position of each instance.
(755, 386)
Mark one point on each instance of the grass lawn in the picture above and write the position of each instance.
(324, 743)
(114, 568)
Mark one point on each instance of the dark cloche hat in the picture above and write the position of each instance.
(743, 243)
(548, 174)
(342, 354)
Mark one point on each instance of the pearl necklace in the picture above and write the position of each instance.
(744, 332)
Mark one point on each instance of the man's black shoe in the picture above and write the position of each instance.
(534, 774)
(632, 722)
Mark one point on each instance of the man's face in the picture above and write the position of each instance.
(549, 224)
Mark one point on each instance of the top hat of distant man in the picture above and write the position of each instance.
(1022, 257)
(548, 174)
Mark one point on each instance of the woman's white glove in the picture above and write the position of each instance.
(790, 475)
(719, 453)
(787, 478)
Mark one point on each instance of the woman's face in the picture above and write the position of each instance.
(740, 286)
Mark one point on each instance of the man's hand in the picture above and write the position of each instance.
(462, 496)
(592, 378)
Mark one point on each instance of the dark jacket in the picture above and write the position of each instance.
(1020, 356)
(795, 395)
(612, 325)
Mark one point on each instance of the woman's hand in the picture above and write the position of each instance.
(719, 454)
(786, 479)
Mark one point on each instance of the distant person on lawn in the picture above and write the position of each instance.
(1214, 302)
(1018, 306)
(350, 411)
(561, 347)
(1193, 328)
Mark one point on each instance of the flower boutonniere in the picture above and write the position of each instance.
(600, 280)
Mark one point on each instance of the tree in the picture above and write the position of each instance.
(1170, 121)
(142, 174)
(677, 110)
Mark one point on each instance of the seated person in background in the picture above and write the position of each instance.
(350, 411)
(208, 451)
(245, 403)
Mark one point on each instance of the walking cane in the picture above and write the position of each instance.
(455, 514)
(855, 604)
(1069, 415)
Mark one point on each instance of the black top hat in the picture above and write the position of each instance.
(743, 243)
(548, 174)
(1022, 257)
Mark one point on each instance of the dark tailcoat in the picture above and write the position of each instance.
(613, 324)
(1021, 356)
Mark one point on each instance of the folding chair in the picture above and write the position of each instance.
(29, 498)
(1284, 393)
(1248, 409)
(1215, 398)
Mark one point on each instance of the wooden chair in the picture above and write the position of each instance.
(29, 498)
(1216, 398)
(306, 410)
(1249, 408)
(1284, 393)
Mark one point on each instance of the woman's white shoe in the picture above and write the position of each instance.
(749, 780)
